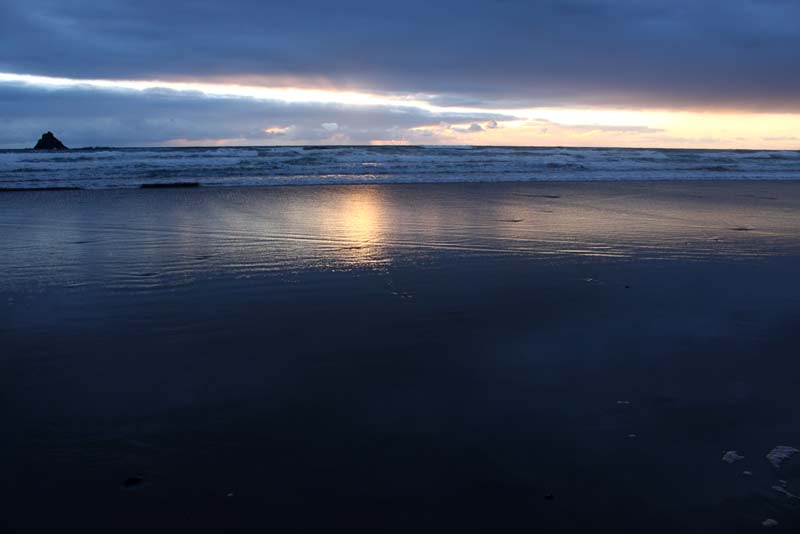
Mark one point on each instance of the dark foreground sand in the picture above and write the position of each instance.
(456, 358)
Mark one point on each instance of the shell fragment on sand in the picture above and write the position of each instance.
(780, 454)
(769, 523)
(731, 457)
(132, 482)
(781, 489)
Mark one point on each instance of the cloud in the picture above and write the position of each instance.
(469, 128)
(91, 116)
(94, 117)
(695, 54)
(278, 130)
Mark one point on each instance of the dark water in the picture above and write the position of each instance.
(473, 358)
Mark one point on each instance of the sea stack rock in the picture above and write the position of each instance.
(49, 142)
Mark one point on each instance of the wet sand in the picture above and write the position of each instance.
(563, 357)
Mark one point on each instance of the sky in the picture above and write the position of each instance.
(666, 73)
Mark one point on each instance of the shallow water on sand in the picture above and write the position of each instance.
(152, 239)
(474, 358)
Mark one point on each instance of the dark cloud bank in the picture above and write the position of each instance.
(674, 53)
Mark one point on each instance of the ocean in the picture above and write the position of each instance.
(108, 168)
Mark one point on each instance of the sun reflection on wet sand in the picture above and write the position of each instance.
(357, 220)
(143, 240)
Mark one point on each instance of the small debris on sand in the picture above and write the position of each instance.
(132, 482)
(780, 454)
(731, 457)
(229, 494)
(769, 523)
(781, 489)
(631, 435)
(747, 473)
(623, 402)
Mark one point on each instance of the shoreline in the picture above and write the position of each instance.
(199, 185)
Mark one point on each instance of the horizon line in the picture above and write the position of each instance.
(393, 145)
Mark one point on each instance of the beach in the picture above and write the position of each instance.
(465, 357)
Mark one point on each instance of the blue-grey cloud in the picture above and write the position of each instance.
(686, 53)
(92, 117)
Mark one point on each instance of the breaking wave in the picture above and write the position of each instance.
(105, 168)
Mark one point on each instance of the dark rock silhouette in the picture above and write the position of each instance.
(49, 142)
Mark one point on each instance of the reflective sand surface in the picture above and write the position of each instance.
(162, 238)
(473, 358)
